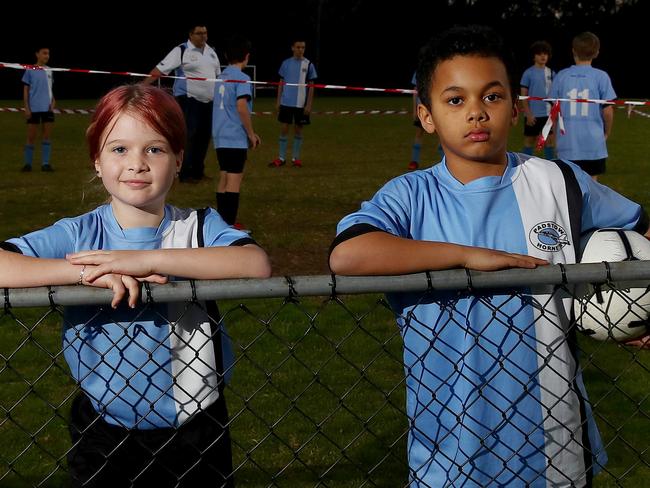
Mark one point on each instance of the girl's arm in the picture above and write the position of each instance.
(206, 263)
(380, 253)
(18, 271)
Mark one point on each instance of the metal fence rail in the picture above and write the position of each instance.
(317, 390)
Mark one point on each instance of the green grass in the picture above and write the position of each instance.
(318, 387)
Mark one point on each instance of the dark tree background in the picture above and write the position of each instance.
(354, 42)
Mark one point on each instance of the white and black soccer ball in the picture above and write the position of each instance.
(611, 311)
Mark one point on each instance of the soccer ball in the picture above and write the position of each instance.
(607, 311)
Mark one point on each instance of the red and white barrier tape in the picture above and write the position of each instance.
(314, 85)
(324, 112)
(216, 80)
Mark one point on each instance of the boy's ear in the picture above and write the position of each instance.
(98, 168)
(515, 114)
(179, 161)
(426, 119)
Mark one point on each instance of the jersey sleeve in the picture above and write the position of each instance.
(602, 207)
(312, 75)
(244, 89)
(27, 77)
(51, 242)
(388, 211)
(216, 233)
(283, 70)
(525, 79)
(171, 61)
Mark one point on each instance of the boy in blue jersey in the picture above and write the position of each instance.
(294, 102)
(536, 82)
(587, 125)
(494, 392)
(232, 127)
(39, 104)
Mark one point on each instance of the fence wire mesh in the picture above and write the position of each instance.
(318, 384)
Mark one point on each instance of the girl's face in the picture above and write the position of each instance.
(137, 165)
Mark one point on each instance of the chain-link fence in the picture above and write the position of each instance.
(323, 389)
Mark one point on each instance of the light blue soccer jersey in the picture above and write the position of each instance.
(584, 137)
(40, 89)
(227, 128)
(494, 391)
(146, 367)
(538, 82)
(300, 71)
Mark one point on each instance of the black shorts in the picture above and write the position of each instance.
(231, 159)
(592, 167)
(38, 117)
(417, 123)
(291, 115)
(200, 450)
(535, 129)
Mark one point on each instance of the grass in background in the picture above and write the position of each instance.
(298, 384)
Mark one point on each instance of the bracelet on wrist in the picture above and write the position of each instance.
(81, 275)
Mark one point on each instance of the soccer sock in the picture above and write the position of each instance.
(297, 145)
(46, 150)
(549, 152)
(415, 152)
(29, 154)
(232, 200)
(283, 148)
(527, 150)
(221, 205)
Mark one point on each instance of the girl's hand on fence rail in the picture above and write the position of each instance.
(121, 285)
(137, 264)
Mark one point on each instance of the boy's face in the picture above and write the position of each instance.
(471, 109)
(42, 56)
(541, 59)
(298, 49)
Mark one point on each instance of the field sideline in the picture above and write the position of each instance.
(293, 214)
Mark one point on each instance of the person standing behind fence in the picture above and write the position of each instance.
(494, 391)
(536, 82)
(294, 103)
(151, 408)
(193, 59)
(39, 103)
(587, 125)
(232, 127)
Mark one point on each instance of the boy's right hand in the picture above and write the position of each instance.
(482, 259)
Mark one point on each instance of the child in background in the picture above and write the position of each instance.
(39, 103)
(294, 102)
(587, 125)
(150, 409)
(536, 82)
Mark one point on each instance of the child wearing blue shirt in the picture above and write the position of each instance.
(494, 392)
(232, 127)
(39, 103)
(294, 102)
(150, 409)
(587, 125)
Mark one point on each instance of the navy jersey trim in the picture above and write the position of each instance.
(8, 246)
(353, 231)
(643, 223)
(574, 204)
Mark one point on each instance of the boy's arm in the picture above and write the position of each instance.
(381, 253)
(608, 120)
(205, 263)
(28, 111)
(245, 117)
(279, 97)
(310, 99)
(525, 107)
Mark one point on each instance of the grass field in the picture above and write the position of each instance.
(318, 390)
